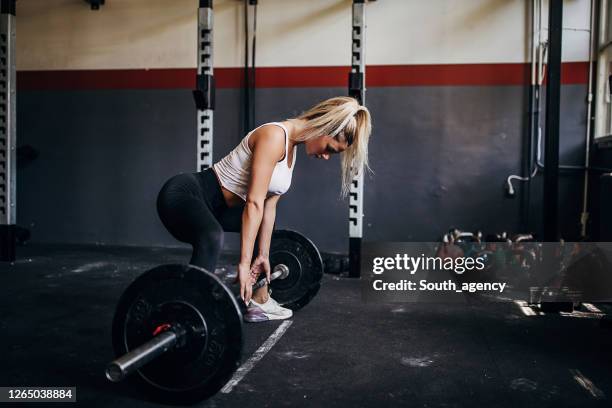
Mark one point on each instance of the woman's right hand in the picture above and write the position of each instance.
(246, 280)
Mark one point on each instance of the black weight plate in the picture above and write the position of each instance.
(304, 300)
(199, 302)
(305, 268)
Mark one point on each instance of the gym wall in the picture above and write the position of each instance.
(105, 96)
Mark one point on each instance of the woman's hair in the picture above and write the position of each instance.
(337, 117)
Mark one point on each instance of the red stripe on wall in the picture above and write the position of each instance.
(303, 77)
(296, 77)
(466, 74)
(575, 73)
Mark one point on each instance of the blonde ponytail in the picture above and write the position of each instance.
(342, 114)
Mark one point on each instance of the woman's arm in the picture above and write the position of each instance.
(261, 263)
(267, 225)
(268, 148)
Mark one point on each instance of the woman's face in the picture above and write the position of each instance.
(323, 147)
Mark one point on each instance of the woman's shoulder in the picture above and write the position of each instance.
(272, 133)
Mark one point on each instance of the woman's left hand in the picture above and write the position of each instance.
(260, 265)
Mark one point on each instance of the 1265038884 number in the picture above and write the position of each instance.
(32, 394)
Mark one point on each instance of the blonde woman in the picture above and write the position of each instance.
(241, 191)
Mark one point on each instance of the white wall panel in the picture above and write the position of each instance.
(66, 34)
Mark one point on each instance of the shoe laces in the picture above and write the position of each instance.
(273, 305)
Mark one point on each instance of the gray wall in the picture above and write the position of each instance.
(601, 195)
(440, 156)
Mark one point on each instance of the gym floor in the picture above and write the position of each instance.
(337, 351)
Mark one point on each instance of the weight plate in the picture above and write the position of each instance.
(199, 303)
(305, 268)
(304, 300)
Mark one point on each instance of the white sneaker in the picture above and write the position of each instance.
(270, 310)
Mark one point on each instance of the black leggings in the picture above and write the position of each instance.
(191, 206)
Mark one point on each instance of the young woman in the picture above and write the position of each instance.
(241, 191)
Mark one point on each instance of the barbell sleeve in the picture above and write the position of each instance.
(141, 355)
(280, 272)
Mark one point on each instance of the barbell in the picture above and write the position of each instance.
(178, 328)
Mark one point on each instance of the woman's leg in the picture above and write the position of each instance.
(184, 212)
(231, 221)
(263, 307)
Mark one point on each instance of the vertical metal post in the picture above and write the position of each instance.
(553, 95)
(602, 91)
(205, 93)
(8, 131)
(533, 118)
(357, 91)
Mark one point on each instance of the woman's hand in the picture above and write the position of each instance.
(246, 280)
(260, 265)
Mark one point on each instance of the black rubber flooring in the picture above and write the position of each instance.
(58, 301)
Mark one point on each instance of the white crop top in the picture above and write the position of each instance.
(234, 169)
